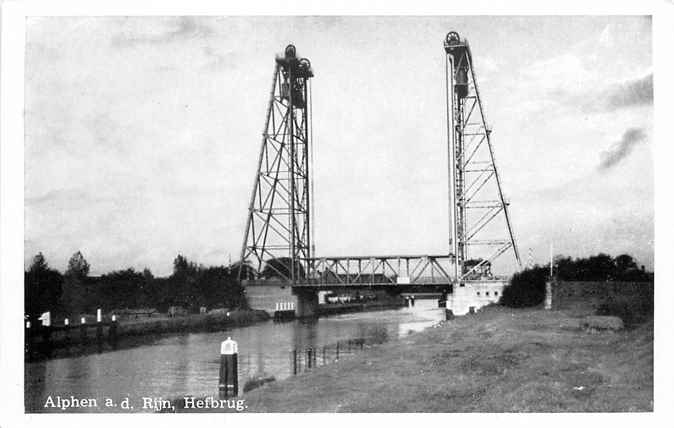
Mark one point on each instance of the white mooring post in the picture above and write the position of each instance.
(551, 260)
(46, 319)
(99, 326)
(229, 370)
(83, 329)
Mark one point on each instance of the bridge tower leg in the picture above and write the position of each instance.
(278, 222)
(476, 202)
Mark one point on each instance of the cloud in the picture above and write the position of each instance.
(219, 61)
(621, 149)
(606, 37)
(488, 64)
(185, 27)
(595, 97)
(633, 92)
(59, 198)
(555, 73)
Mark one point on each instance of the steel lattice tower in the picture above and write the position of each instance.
(278, 225)
(476, 197)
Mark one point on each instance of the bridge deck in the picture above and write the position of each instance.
(317, 284)
(399, 271)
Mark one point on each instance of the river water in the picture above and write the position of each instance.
(177, 365)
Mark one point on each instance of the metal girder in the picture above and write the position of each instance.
(392, 270)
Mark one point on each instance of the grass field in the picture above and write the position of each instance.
(498, 360)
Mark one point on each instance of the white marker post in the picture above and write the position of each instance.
(99, 327)
(548, 294)
(551, 260)
(46, 319)
(229, 370)
(112, 331)
(66, 321)
(26, 345)
(83, 329)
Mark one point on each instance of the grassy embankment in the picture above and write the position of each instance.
(499, 360)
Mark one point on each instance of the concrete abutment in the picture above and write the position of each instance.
(307, 302)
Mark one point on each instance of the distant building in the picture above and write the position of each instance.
(174, 311)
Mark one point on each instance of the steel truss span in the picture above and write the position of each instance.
(279, 215)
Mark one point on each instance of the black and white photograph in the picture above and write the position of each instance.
(335, 213)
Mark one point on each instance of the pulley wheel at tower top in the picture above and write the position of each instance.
(305, 65)
(290, 51)
(452, 38)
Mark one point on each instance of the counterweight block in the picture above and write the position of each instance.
(296, 71)
(459, 51)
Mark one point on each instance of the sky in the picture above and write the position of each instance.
(142, 133)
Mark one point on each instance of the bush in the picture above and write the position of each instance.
(526, 288)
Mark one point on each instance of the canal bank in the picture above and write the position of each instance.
(187, 364)
(498, 360)
(68, 341)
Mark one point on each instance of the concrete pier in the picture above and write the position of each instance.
(474, 294)
(307, 302)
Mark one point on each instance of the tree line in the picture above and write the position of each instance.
(75, 291)
(527, 288)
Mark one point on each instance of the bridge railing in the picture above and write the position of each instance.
(379, 270)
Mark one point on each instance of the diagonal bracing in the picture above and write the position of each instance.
(279, 214)
(278, 222)
(477, 206)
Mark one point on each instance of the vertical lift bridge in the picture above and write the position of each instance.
(279, 234)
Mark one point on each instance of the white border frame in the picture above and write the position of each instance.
(11, 197)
